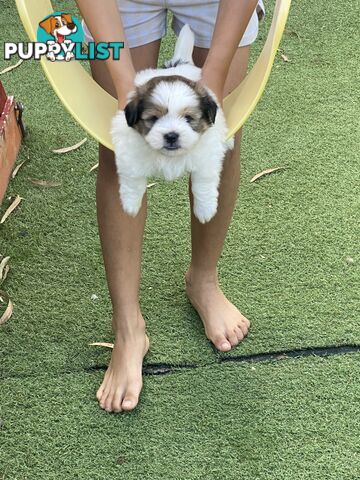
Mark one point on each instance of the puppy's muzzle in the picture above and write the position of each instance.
(171, 141)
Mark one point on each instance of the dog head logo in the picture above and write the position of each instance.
(60, 31)
(59, 26)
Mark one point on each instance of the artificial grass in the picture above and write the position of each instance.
(284, 263)
(288, 420)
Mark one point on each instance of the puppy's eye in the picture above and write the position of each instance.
(152, 119)
(57, 25)
(189, 118)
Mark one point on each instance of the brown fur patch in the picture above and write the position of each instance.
(196, 120)
(148, 116)
(152, 110)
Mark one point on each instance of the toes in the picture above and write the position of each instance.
(245, 325)
(104, 386)
(233, 338)
(108, 405)
(117, 400)
(222, 344)
(104, 398)
(100, 392)
(113, 401)
(239, 333)
(131, 398)
(129, 403)
(244, 330)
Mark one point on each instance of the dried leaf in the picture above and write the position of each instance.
(70, 149)
(94, 167)
(17, 168)
(6, 271)
(9, 309)
(3, 269)
(12, 67)
(27, 150)
(285, 58)
(44, 183)
(12, 207)
(151, 184)
(102, 344)
(265, 172)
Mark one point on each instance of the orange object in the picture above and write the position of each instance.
(11, 130)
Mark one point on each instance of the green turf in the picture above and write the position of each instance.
(284, 262)
(290, 420)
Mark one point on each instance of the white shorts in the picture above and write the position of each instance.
(145, 20)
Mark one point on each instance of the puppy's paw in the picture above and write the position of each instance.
(205, 211)
(131, 205)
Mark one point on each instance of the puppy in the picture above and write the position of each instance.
(171, 125)
(59, 27)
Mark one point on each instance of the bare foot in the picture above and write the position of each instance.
(122, 382)
(224, 325)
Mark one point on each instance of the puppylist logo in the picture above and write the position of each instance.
(60, 37)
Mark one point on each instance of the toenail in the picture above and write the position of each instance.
(127, 403)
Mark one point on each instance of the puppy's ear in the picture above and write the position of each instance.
(208, 108)
(133, 111)
(48, 24)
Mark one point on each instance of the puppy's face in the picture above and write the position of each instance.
(171, 113)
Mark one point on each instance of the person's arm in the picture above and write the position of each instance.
(231, 22)
(104, 22)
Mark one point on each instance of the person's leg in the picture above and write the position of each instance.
(121, 241)
(224, 325)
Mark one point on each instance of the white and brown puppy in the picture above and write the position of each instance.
(171, 125)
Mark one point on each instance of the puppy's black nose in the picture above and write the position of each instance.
(171, 138)
(71, 26)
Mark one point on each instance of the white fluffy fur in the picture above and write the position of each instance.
(202, 155)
